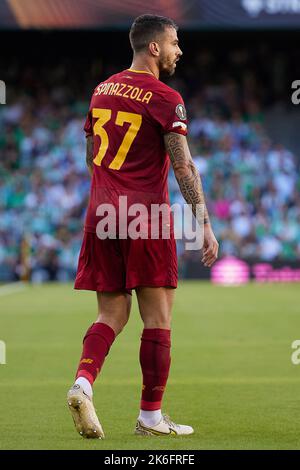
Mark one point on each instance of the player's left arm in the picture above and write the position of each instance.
(90, 153)
(190, 185)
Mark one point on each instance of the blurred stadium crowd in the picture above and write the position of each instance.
(251, 182)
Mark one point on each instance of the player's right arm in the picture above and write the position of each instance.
(190, 185)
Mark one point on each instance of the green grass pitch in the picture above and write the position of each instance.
(231, 378)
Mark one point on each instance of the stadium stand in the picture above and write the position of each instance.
(251, 179)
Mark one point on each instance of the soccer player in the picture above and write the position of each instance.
(136, 126)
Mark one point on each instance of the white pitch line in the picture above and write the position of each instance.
(12, 288)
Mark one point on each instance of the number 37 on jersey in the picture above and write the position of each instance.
(103, 116)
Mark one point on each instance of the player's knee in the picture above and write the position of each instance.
(159, 320)
(117, 323)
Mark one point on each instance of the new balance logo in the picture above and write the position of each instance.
(87, 361)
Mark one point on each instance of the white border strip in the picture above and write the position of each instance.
(12, 288)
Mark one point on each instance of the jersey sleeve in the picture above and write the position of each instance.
(170, 113)
(88, 127)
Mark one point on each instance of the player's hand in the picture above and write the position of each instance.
(210, 247)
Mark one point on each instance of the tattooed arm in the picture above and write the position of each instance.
(191, 189)
(186, 173)
(89, 153)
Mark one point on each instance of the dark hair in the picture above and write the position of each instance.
(145, 29)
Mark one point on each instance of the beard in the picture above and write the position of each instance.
(166, 68)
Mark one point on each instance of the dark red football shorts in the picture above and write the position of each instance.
(121, 265)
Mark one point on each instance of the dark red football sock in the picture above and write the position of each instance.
(96, 344)
(155, 362)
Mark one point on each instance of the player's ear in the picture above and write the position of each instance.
(154, 48)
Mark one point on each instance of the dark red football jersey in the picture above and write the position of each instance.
(128, 116)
